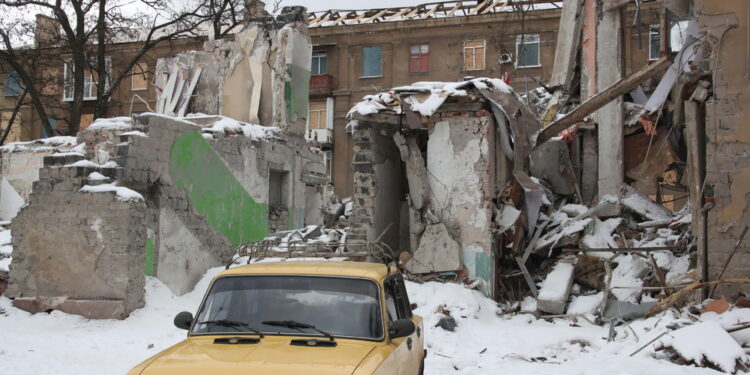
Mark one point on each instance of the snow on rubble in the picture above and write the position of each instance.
(484, 342)
(423, 97)
(122, 193)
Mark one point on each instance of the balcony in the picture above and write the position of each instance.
(321, 84)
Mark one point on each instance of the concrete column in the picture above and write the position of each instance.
(610, 117)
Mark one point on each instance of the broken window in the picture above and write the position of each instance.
(90, 80)
(138, 79)
(474, 54)
(318, 116)
(12, 83)
(319, 63)
(371, 62)
(654, 42)
(527, 51)
(419, 58)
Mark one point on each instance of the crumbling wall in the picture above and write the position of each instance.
(261, 76)
(20, 162)
(193, 190)
(460, 164)
(728, 138)
(75, 251)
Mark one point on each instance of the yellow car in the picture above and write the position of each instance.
(298, 318)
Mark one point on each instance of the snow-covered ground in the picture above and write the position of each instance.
(483, 342)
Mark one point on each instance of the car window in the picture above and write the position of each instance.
(396, 299)
(345, 307)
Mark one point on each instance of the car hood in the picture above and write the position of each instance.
(272, 355)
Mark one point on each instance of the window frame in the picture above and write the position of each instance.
(322, 115)
(321, 56)
(422, 57)
(143, 73)
(523, 40)
(654, 30)
(380, 67)
(484, 55)
(88, 80)
(8, 91)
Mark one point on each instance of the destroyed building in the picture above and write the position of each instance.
(612, 180)
(171, 196)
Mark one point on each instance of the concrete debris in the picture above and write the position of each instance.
(447, 323)
(553, 296)
(437, 252)
(705, 344)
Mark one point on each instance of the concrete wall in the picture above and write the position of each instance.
(202, 194)
(460, 162)
(461, 172)
(728, 137)
(20, 162)
(78, 252)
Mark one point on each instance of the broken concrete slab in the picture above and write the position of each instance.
(553, 297)
(626, 311)
(550, 162)
(642, 205)
(437, 252)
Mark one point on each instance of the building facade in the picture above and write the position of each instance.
(357, 53)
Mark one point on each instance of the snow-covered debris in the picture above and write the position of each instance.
(423, 97)
(707, 343)
(554, 293)
(114, 123)
(91, 164)
(136, 133)
(60, 143)
(123, 193)
(602, 235)
(627, 277)
(585, 304)
(6, 249)
(96, 176)
(232, 126)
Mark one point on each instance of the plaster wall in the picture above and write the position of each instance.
(460, 162)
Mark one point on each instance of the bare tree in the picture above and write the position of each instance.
(87, 31)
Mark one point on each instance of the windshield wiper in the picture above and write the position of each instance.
(233, 324)
(297, 325)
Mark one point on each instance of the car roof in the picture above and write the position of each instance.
(375, 271)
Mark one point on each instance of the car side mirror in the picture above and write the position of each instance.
(183, 320)
(401, 328)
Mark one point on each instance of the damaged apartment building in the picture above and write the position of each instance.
(627, 182)
(172, 194)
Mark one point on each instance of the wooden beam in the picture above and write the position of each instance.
(597, 101)
(398, 14)
(455, 8)
(615, 4)
(377, 15)
(568, 40)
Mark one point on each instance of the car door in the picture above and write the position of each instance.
(409, 349)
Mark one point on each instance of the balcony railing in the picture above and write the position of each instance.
(321, 84)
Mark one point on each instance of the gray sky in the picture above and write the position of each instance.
(315, 5)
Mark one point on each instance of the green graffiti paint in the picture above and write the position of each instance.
(148, 267)
(214, 191)
(483, 266)
(296, 92)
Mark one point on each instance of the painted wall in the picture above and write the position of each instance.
(460, 162)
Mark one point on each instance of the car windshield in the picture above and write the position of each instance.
(344, 307)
